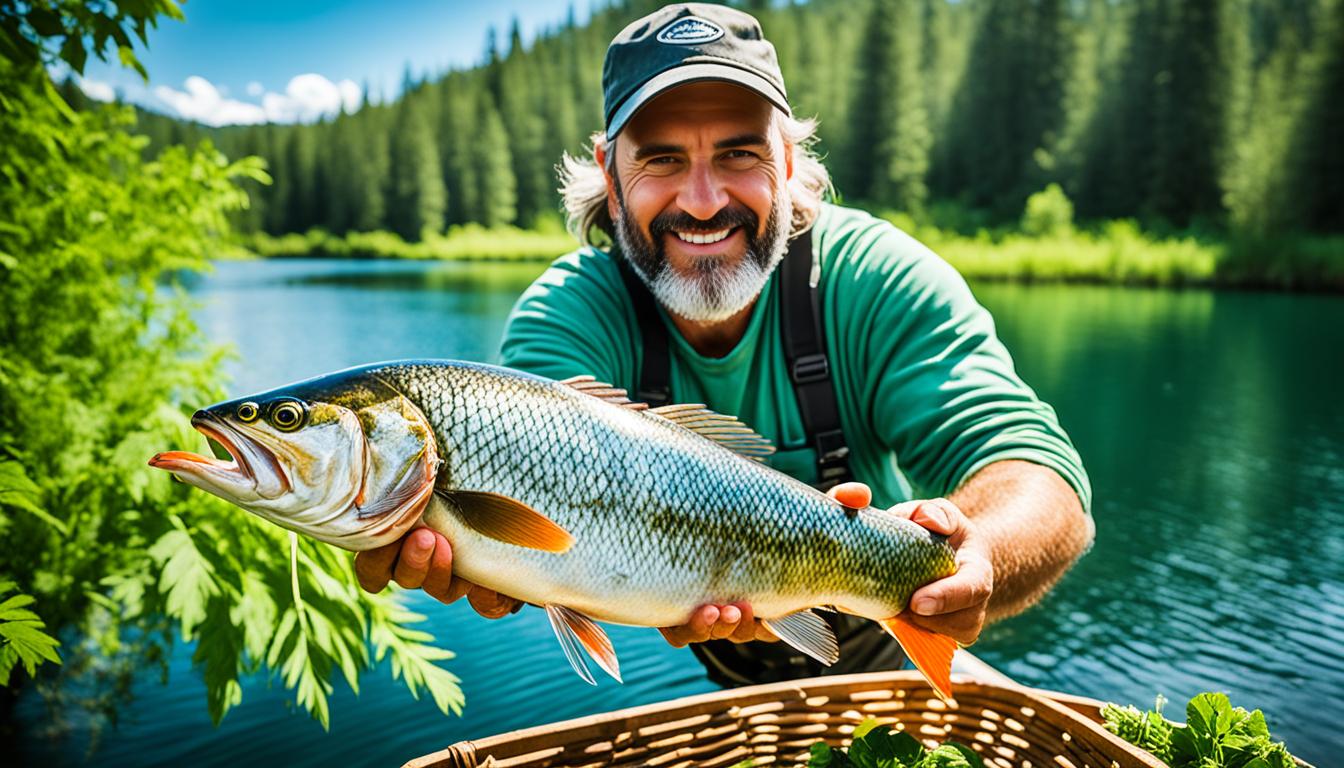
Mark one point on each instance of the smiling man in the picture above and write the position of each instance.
(860, 353)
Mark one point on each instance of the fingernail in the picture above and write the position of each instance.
(927, 606)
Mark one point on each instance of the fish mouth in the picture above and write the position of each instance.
(245, 454)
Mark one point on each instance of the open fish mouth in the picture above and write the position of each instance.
(245, 454)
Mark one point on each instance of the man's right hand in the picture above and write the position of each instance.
(424, 558)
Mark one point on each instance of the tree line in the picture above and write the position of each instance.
(1205, 113)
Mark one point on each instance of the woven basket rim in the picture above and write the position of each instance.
(1079, 712)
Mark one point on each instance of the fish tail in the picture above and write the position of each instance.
(930, 652)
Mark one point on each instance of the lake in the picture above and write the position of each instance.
(1211, 423)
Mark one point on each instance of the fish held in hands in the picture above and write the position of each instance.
(567, 495)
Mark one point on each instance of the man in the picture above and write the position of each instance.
(704, 180)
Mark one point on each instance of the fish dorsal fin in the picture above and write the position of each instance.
(724, 430)
(499, 517)
(807, 632)
(576, 631)
(603, 391)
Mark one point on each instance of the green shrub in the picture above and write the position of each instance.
(1048, 212)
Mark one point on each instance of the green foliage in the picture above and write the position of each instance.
(1215, 735)
(878, 746)
(100, 365)
(469, 242)
(22, 638)
(44, 31)
(1048, 212)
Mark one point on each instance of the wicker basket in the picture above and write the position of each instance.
(1011, 727)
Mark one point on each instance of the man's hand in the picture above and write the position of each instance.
(953, 606)
(423, 558)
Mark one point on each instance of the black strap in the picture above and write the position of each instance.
(804, 352)
(809, 365)
(655, 375)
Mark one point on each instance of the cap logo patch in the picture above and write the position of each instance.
(690, 30)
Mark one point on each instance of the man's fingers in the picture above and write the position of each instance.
(490, 603)
(439, 579)
(746, 629)
(413, 562)
(963, 626)
(696, 630)
(374, 567)
(458, 589)
(852, 495)
(730, 617)
(970, 586)
(936, 517)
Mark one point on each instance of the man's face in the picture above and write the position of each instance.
(700, 198)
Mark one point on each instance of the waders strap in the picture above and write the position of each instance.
(809, 365)
(655, 375)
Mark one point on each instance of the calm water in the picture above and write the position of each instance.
(1211, 424)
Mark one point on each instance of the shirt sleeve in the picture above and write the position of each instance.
(574, 320)
(943, 394)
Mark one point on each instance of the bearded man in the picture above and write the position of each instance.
(857, 351)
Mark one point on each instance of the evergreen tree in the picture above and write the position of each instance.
(889, 149)
(1318, 159)
(416, 198)
(494, 166)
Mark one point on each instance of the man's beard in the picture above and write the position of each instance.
(718, 289)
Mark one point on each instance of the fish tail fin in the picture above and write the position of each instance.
(930, 652)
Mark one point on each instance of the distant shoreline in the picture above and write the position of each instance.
(1117, 253)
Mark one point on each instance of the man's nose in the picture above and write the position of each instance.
(703, 194)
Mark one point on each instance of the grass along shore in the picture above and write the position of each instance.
(1113, 253)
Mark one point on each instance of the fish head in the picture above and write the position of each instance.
(350, 462)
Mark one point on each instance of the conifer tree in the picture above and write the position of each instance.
(416, 198)
(889, 150)
(494, 166)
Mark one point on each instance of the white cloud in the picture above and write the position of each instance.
(202, 102)
(97, 90)
(306, 98)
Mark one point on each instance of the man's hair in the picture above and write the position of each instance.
(584, 189)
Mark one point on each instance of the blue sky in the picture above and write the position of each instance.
(249, 60)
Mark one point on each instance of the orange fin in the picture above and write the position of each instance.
(602, 391)
(509, 520)
(574, 631)
(930, 652)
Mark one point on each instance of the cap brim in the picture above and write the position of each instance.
(695, 73)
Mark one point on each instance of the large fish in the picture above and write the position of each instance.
(569, 496)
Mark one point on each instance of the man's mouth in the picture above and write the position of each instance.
(703, 238)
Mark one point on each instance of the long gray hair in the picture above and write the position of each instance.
(584, 189)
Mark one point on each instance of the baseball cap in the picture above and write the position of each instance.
(687, 43)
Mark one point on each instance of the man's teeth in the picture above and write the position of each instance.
(703, 237)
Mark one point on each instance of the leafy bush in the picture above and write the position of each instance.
(1048, 212)
(98, 361)
(1215, 735)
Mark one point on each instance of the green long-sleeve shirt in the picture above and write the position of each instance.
(927, 393)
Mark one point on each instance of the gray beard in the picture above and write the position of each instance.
(717, 290)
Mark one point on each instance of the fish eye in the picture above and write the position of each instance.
(247, 413)
(287, 416)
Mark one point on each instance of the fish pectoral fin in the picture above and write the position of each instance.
(930, 652)
(508, 520)
(575, 631)
(807, 632)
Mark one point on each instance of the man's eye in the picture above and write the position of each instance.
(664, 160)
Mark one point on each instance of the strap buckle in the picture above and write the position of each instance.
(832, 453)
(810, 368)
